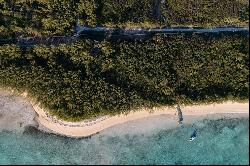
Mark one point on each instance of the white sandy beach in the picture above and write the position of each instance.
(75, 131)
(83, 129)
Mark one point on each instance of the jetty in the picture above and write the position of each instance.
(179, 112)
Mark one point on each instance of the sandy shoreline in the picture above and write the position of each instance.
(87, 128)
(83, 131)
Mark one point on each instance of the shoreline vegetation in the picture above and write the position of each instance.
(52, 124)
(93, 78)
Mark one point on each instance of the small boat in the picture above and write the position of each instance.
(193, 136)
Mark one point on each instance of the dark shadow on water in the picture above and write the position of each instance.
(178, 163)
(30, 130)
(34, 131)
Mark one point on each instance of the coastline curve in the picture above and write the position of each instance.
(87, 128)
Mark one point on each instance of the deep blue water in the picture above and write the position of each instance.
(221, 141)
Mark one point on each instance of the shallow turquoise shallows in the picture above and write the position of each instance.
(221, 141)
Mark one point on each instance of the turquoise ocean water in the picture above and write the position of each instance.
(220, 141)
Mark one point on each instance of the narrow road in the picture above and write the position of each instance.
(101, 33)
(135, 31)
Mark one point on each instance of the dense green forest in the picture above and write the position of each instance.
(90, 78)
(59, 17)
